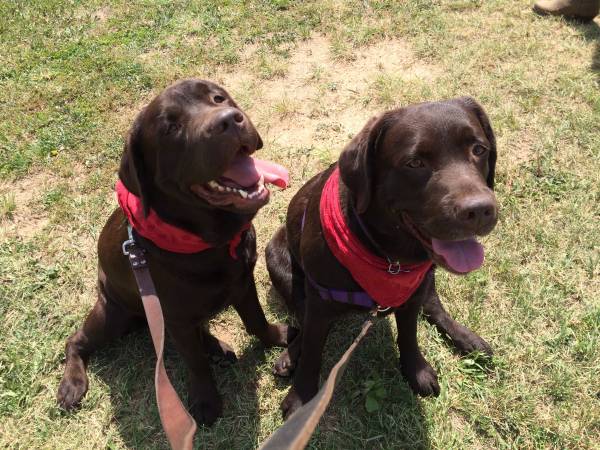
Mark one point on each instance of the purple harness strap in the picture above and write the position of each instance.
(359, 298)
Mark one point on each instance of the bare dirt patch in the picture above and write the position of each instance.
(29, 216)
(27, 219)
(222, 329)
(322, 100)
(102, 14)
(126, 115)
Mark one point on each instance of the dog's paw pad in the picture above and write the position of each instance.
(284, 366)
(290, 404)
(421, 378)
(473, 344)
(206, 413)
(426, 383)
(70, 392)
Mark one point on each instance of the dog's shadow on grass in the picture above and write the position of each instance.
(396, 420)
(126, 367)
(395, 416)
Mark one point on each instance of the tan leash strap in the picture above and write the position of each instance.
(179, 426)
(297, 430)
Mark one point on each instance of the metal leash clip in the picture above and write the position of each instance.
(126, 245)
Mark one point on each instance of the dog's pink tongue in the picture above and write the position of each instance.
(246, 171)
(462, 256)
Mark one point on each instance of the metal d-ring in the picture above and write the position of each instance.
(395, 268)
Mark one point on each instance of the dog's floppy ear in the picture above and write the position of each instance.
(472, 105)
(356, 162)
(132, 171)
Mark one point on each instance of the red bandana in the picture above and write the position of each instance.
(368, 270)
(163, 235)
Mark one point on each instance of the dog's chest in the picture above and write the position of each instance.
(198, 288)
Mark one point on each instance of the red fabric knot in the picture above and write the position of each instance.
(164, 235)
(368, 270)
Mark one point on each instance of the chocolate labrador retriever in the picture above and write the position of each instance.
(411, 190)
(187, 164)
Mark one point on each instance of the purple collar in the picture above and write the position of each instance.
(358, 298)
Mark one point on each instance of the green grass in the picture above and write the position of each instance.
(72, 77)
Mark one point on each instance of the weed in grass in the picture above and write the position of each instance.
(7, 206)
(285, 108)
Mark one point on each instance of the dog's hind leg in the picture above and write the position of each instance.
(319, 315)
(286, 274)
(105, 322)
(461, 337)
(288, 279)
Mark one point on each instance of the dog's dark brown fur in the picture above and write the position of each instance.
(433, 163)
(187, 135)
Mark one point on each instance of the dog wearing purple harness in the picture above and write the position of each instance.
(409, 193)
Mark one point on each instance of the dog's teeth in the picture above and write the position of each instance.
(221, 188)
(260, 188)
(228, 189)
(244, 194)
(213, 184)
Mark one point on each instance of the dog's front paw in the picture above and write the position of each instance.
(284, 365)
(290, 404)
(206, 411)
(71, 390)
(421, 377)
(467, 342)
(279, 335)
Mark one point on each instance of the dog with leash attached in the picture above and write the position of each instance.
(189, 187)
(410, 192)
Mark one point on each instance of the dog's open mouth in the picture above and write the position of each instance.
(243, 184)
(461, 256)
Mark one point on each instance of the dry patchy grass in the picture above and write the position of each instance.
(309, 74)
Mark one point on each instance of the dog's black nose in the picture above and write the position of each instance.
(478, 213)
(227, 120)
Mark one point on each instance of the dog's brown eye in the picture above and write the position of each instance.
(415, 163)
(479, 150)
(218, 99)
